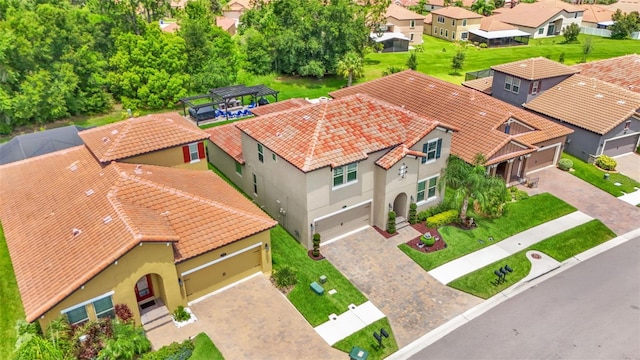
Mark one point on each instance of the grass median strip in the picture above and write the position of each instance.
(560, 247)
(364, 340)
(315, 308)
(519, 216)
(594, 176)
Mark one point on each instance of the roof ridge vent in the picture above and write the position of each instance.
(114, 131)
(432, 85)
(89, 192)
(107, 219)
(483, 113)
(621, 102)
(76, 231)
(599, 96)
(138, 169)
(306, 117)
(582, 83)
(455, 93)
(74, 165)
(523, 65)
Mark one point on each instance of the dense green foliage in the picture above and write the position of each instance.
(624, 24)
(607, 163)
(595, 176)
(441, 219)
(565, 164)
(571, 32)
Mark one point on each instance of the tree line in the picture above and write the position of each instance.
(60, 58)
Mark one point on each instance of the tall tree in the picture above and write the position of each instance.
(483, 7)
(351, 66)
(472, 184)
(624, 24)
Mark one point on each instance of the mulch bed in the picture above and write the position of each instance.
(310, 253)
(422, 228)
(384, 233)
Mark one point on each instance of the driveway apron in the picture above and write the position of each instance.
(413, 301)
(629, 165)
(251, 320)
(616, 214)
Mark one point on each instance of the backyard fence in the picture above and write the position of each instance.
(478, 74)
(605, 32)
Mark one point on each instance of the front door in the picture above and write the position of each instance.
(144, 288)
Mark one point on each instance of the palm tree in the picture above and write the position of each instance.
(351, 66)
(472, 182)
(483, 7)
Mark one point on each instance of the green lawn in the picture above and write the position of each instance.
(594, 176)
(286, 251)
(519, 216)
(364, 340)
(205, 349)
(560, 247)
(10, 303)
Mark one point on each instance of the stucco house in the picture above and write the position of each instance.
(85, 234)
(543, 18)
(494, 32)
(404, 21)
(454, 23)
(346, 163)
(515, 142)
(235, 8)
(596, 16)
(440, 4)
(605, 118)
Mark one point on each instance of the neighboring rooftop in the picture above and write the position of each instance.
(402, 13)
(491, 23)
(626, 6)
(455, 12)
(141, 135)
(536, 14)
(67, 217)
(623, 71)
(279, 106)
(606, 105)
(482, 84)
(535, 69)
(39, 143)
(225, 23)
(596, 13)
(465, 3)
(227, 137)
(478, 116)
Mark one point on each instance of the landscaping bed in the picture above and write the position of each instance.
(595, 176)
(560, 247)
(416, 242)
(518, 216)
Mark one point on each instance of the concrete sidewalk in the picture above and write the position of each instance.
(481, 258)
(631, 198)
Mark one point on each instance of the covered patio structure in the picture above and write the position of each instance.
(499, 38)
(227, 102)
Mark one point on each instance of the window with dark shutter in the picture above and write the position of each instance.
(201, 153)
(185, 154)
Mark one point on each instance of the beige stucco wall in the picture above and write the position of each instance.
(448, 27)
(172, 157)
(149, 258)
(404, 27)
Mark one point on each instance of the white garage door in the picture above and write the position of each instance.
(342, 222)
(621, 145)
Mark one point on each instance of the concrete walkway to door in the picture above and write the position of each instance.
(251, 320)
(414, 302)
(618, 215)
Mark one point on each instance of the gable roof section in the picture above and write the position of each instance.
(481, 84)
(227, 137)
(141, 135)
(536, 14)
(595, 13)
(455, 12)
(491, 23)
(114, 208)
(535, 69)
(476, 115)
(623, 71)
(402, 13)
(225, 23)
(588, 103)
(465, 3)
(279, 106)
(39, 143)
(337, 132)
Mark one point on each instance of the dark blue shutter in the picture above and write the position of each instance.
(425, 148)
(438, 148)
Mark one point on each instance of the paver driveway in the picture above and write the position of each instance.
(414, 302)
(251, 320)
(629, 165)
(616, 214)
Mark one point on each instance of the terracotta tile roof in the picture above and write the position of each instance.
(595, 13)
(594, 105)
(626, 6)
(338, 132)
(476, 115)
(239, 5)
(170, 27)
(225, 23)
(455, 12)
(465, 3)
(402, 13)
(428, 19)
(66, 218)
(279, 106)
(482, 84)
(406, 3)
(536, 14)
(140, 135)
(623, 71)
(535, 68)
(227, 137)
(491, 23)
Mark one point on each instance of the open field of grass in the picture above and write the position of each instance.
(560, 247)
(364, 340)
(594, 176)
(519, 216)
(10, 304)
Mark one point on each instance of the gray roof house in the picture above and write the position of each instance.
(39, 143)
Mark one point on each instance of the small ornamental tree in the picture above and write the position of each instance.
(458, 61)
(413, 213)
(316, 245)
(571, 32)
(412, 61)
(391, 224)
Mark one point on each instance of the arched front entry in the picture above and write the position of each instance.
(149, 293)
(400, 206)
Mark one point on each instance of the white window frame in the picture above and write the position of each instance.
(534, 87)
(427, 189)
(274, 157)
(255, 184)
(111, 309)
(435, 30)
(260, 153)
(507, 82)
(433, 142)
(411, 37)
(541, 31)
(412, 24)
(453, 22)
(85, 303)
(453, 35)
(345, 171)
(440, 19)
(446, 33)
(515, 86)
(464, 36)
(192, 152)
(238, 168)
(464, 22)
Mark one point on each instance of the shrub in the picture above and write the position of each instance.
(424, 214)
(442, 218)
(419, 48)
(483, 45)
(123, 313)
(413, 213)
(391, 223)
(126, 342)
(316, 244)
(517, 194)
(565, 164)
(606, 163)
(181, 314)
(427, 242)
(285, 277)
(174, 351)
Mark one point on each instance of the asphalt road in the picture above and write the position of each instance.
(590, 311)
